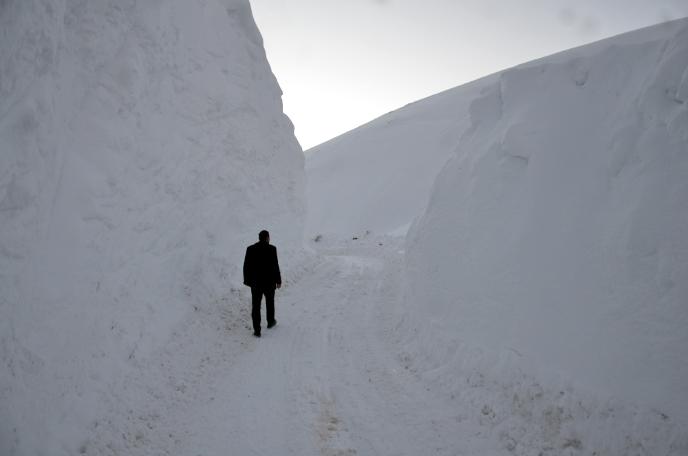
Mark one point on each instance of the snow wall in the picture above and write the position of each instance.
(142, 147)
(557, 234)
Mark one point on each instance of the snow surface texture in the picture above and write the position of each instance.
(142, 147)
(555, 242)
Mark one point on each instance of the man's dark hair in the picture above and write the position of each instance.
(263, 236)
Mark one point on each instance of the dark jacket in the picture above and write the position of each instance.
(261, 268)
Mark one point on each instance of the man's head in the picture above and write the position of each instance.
(264, 236)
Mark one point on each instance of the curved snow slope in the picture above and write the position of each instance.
(558, 230)
(143, 146)
(378, 177)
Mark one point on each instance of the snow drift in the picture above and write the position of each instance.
(142, 147)
(556, 235)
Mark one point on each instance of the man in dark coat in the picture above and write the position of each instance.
(262, 274)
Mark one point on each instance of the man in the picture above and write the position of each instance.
(262, 274)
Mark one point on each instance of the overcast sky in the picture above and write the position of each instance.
(341, 63)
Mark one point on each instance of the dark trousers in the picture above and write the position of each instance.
(256, 296)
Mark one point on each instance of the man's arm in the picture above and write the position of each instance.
(247, 268)
(278, 276)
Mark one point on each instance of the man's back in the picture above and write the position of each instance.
(261, 267)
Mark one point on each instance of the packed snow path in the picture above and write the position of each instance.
(326, 381)
(336, 378)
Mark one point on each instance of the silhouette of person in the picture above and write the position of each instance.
(262, 274)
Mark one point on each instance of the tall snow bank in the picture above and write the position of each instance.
(142, 147)
(557, 233)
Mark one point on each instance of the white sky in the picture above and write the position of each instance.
(341, 63)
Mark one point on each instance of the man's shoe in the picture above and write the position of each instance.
(257, 334)
(272, 323)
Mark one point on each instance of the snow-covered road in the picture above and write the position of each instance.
(340, 376)
(326, 381)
